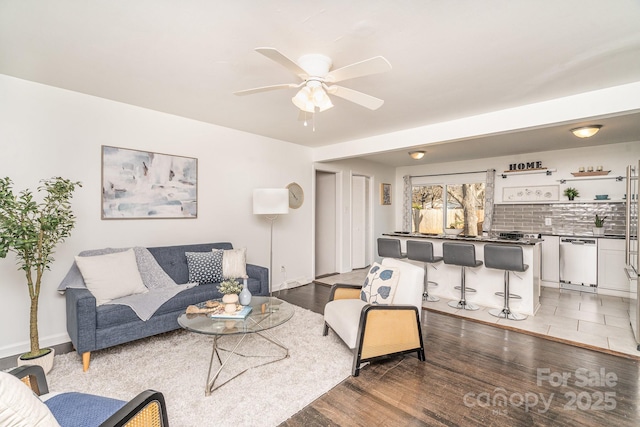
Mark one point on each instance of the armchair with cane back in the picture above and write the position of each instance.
(378, 327)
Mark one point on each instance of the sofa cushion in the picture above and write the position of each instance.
(20, 407)
(234, 263)
(205, 267)
(173, 261)
(380, 284)
(111, 276)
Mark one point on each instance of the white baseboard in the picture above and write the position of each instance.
(23, 346)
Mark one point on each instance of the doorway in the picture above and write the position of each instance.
(360, 221)
(326, 224)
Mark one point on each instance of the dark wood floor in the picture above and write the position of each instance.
(478, 375)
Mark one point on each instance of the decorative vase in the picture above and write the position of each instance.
(230, 301)
(46, 361)
(245, 294)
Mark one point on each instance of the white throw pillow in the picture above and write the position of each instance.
(111, 276)
(380, 285)
(234, 263)
(20, 407)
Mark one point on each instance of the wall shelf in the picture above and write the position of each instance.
(545, 171)
(590, 178)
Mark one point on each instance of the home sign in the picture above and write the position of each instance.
(525, 166)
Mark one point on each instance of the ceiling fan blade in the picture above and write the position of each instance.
(266, 88)
(277, 56)
(367, 67)
(368, 101)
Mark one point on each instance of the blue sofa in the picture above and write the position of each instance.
(96, 328)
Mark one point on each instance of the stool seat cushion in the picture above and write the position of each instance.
(462, 254)
(504, 257)
(421, 251)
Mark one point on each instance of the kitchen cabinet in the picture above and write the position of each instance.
(611, 264)
(551, 259)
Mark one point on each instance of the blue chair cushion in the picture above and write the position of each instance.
(82, 410)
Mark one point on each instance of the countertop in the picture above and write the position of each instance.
(479, 239)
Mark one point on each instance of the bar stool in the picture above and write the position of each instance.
(390, 248)
(463, 255)
(423, 251)
(508, 258)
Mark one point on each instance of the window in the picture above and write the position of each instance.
(439, 206)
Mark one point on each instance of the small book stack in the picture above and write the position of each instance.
(242, 312)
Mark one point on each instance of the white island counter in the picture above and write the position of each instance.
(486, 281)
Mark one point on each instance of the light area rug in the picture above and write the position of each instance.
(176, 364)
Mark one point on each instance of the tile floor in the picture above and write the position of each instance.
(599, 321)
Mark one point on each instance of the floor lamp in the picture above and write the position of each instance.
(270, 202)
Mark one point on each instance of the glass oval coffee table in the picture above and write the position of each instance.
(266, 313)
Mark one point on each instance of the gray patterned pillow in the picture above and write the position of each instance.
(205, 267)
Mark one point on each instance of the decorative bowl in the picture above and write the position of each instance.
(453, 231)
(602, 196)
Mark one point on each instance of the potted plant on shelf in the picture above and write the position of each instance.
(571, 193)
(32, 230)
(230, 288)
(598, 230)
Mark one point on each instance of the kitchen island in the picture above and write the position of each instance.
(486, 281)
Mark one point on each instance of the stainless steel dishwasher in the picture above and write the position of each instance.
(579, 264)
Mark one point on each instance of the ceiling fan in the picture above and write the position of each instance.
(318, 80)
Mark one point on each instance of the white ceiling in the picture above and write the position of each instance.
(450, 60)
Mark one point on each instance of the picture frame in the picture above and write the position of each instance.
(140, 184)
(535, 193)
(385, 194)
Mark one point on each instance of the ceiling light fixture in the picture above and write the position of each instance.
(586, 131)
(416, 155)
(311, 97)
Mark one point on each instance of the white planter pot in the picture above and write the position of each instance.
(45, 361)
(598, 231)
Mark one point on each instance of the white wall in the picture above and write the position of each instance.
(614, 157)
(45, 132)
(382, 215)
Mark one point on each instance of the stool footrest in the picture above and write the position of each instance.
(468, 289)
(514, 296)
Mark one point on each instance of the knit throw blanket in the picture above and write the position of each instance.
(161, 287)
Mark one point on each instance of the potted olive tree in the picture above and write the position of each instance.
(32, 229)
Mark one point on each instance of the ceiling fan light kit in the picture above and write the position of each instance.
(586, 131)
(315, 72)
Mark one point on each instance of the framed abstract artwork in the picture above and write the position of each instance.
(385, 194)
(144, 185)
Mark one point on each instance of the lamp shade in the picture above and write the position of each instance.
(270, 201)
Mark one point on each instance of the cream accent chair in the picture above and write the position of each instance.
(372, 331)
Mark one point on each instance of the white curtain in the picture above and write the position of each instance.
(406, 203)
(489, 197)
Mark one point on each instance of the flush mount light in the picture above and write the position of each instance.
(586, 131)
(416, 155)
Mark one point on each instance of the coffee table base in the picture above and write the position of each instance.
(210, 386)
